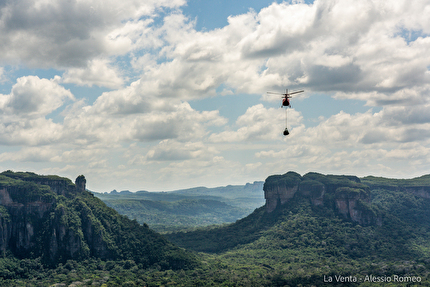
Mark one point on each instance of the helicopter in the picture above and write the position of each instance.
(286, 103)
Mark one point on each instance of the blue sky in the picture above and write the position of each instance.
(163, 95)
(213, 14)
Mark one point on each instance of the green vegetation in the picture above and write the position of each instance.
(31, 176)
(298, 244)
(288, 180)
(188, 208)
(177, 215)
(373, 181)
(297, 225)
(349, 191)
(332, 182)
(54, 228)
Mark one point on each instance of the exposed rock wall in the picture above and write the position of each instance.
(278, 195)
(59, 221)
(60, 187)
(24, 221)
(18, 222)
(345, 194)
(354, 204)
(80, 183)
(278, 189)
(420, 191)
(5, 231)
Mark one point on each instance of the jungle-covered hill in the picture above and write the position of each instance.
(324, 230)
(52, 219)
(300, 242)
(187, 208)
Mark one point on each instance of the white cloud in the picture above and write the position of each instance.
(376, 51)
(259, 124)
(32, 96)
(128, 116)
(413, 96)
(30, 154)
(30, 132)
(81, 154)
(68, 33)
(171, 150)
(328, 46)
(119, 116)
(98, 72)
(25, 108)
(381, 143)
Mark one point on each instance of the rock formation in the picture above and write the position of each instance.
(52, 218)
(278, 189)
(419, 186)
(30, 211)
(346, 194)
(80, 183)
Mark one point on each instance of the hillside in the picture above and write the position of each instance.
(322, 225)
(341, 196)
(55, 220)
(314, 230)
(187, 208)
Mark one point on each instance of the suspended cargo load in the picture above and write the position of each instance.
(286, 103)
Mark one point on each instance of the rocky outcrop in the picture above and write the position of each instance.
(354, 204)
(278, 195)
(345, 194)
(80, 183)
(30, 213)
(4, 230)
(51, 218)
(420, 191)
(314, 190)
(29, 206)
(58, 185)
(278, 189)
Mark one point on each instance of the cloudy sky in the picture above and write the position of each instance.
(169, 94)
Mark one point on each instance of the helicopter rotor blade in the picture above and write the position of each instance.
(275, 93)
(296, 92)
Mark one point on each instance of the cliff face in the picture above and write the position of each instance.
(278, 195)
(419, 186)
(420, 191)
(278, 189)
(345, 194)
(30, 216)
(52, 218)
(354, 203)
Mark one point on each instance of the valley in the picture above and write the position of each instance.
(187, 209)
(312, 230)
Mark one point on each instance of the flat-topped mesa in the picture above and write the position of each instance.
(26, 201)
(57, 184)
(346, 194)
(51, 218)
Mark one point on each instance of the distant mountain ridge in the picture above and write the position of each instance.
(313, 230)
(187, 208)
(367, 202)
